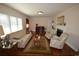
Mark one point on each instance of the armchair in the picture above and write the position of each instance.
(58, 42)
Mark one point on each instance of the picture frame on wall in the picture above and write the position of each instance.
(60, 20)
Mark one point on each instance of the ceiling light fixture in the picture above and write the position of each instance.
(40, 12)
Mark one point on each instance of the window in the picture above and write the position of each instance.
(13, 22)
(5, 23)
(16, 23)
(10, 23)
(19, 24)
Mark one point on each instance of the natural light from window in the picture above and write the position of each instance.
(10, 23)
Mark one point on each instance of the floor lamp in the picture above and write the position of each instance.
(27, 28)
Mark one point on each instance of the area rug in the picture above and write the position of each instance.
(42, 48)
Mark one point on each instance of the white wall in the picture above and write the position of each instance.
(41, 21)
(9, 11)
(72, 26)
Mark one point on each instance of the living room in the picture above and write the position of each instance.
(51, 12)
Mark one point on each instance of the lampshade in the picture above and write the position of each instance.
(27, 25)
(1, 30)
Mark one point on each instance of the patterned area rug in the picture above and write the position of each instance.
(40, 47)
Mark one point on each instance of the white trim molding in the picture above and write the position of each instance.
(71, 46)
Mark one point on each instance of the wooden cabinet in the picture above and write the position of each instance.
(40, 30)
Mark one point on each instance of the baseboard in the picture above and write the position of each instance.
(72, 47)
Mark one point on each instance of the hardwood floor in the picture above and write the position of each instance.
(66, 51)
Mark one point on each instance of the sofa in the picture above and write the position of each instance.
(21, 38)
(24, 40)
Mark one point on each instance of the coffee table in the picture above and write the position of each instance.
(40, 46)
(36, 41)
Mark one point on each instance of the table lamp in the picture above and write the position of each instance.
(1, 31)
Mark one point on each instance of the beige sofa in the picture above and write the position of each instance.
(24, 40)
(21, 38)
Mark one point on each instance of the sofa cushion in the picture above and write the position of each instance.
(18, 34)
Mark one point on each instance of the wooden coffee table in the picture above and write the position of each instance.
(38, 46)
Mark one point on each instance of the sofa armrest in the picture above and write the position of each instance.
(24, 40)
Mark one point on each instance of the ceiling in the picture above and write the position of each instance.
(49, 9)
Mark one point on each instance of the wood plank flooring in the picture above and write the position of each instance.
(66, 51)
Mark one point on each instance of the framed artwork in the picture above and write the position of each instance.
(60, 20)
